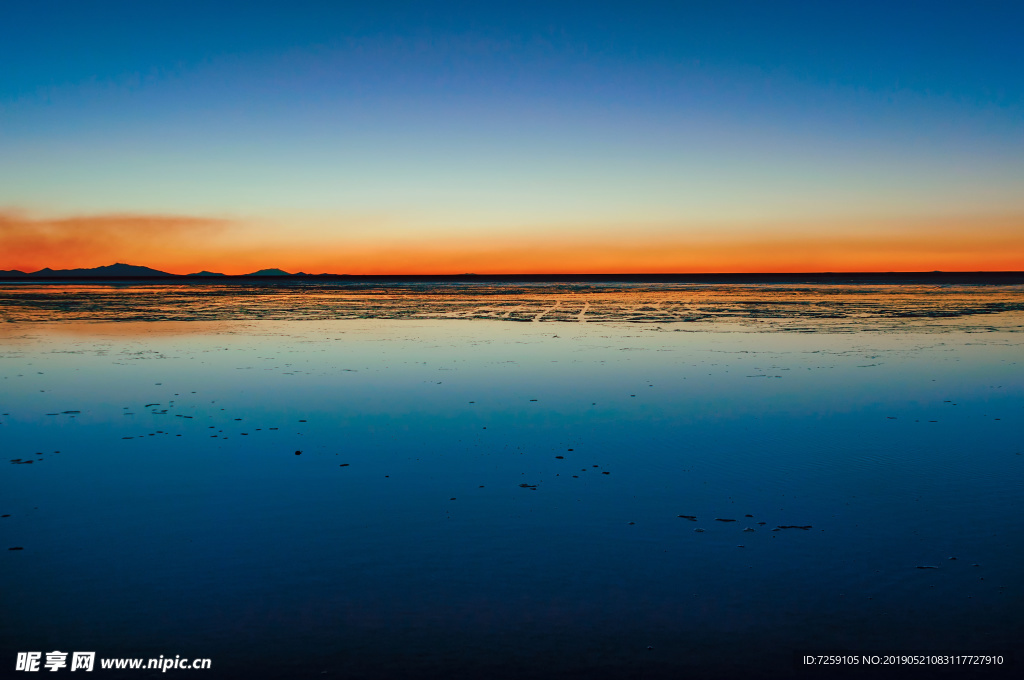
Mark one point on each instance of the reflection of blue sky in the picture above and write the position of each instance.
(208, 523)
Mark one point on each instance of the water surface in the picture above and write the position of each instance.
(491, 499)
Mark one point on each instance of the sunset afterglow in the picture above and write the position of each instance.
(531, 138)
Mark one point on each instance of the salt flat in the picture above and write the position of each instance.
(780, 306)
(479, 498)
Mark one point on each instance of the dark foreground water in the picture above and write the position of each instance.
(484, 499)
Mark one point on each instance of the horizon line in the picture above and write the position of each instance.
(280, 274)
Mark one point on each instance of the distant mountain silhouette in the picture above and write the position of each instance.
(121, 269)
(118, 269)
(270, 272)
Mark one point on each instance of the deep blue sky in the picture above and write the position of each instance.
(966, 50)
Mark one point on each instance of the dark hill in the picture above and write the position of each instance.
(118, 269)
(270, 272)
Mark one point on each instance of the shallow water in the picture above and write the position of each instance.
(806, 306)
(450, 514)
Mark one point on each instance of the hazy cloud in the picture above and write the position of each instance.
(29, 243)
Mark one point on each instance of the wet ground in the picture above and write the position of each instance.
(852, 306)
(364, 498)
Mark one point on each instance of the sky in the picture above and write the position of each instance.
(512, 137)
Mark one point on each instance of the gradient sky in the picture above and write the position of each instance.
(512, 137)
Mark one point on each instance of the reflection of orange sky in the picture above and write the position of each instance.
(110, 330)
(187, 244)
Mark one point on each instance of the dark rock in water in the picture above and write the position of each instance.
(560, 457)
(793, 526)
(632, 523)
(719, 519)
(748, 515)
(4, 515)
(451, 499)
(298, 453)
(343, 465)
(692, 518)
(605, 473)
(927, 566)
(17, 547)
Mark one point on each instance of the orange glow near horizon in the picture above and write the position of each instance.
(184, 244)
